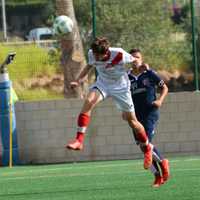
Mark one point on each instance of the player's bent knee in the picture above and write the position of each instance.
(90, 103)
(133, 124)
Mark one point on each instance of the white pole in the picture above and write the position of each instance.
(4, 20)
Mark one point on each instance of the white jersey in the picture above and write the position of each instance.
(112, 72)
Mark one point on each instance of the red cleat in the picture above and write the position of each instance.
(76, 145)
(158, 181)
(165, 169)
(148, 156)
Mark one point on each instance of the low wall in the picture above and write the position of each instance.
(45, 127)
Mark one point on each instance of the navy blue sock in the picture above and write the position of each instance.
(155, 168)
(157, 155)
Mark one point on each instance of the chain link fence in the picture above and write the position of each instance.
(36, 72)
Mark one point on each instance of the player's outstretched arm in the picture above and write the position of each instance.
(81, 76)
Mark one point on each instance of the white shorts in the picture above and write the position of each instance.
(122, 97)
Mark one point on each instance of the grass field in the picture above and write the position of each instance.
(32, 71)
(109, 180)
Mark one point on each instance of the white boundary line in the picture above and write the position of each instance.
(74, 174)
(94, 165)
(137, 173)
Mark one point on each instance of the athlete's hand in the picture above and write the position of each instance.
(145, 66)
(74, 84)
(157, 103)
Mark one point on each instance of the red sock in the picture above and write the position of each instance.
(80, 137)
(83, 122)
(142, 137)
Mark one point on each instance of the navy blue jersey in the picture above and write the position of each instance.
(143, 90)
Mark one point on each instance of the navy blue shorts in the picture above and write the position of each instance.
(149, 121)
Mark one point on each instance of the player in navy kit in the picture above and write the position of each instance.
(144, 84)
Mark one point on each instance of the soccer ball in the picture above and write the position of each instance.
(62, 25)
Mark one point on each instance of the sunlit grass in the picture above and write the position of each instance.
(108, 180)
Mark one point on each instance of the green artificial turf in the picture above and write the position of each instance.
(109, 180)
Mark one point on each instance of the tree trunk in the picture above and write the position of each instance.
(72, 52)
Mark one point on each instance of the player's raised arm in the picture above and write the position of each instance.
(127, 58)
(81, 76)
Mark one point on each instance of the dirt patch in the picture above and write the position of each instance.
(178, 81)
(54, 83)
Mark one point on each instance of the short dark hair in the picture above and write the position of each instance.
(100, 45)
(135, 50)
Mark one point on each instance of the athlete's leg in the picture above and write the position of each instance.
(124, 102)
(141, 137)
(154, 167)
(93, 98)
(150, 123)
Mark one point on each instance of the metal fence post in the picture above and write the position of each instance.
(4, 20)
(94, 18)
(94, 26)
(194, 44)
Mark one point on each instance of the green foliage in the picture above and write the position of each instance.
(48, 12)
(25, 2)
(138, 24)
(45, 8)
(186, 25)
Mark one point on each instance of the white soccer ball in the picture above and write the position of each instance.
(62, 25)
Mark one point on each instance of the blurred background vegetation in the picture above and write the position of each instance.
(147, 25)
(160, 28)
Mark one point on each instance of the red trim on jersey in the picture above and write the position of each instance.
(117, 58)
